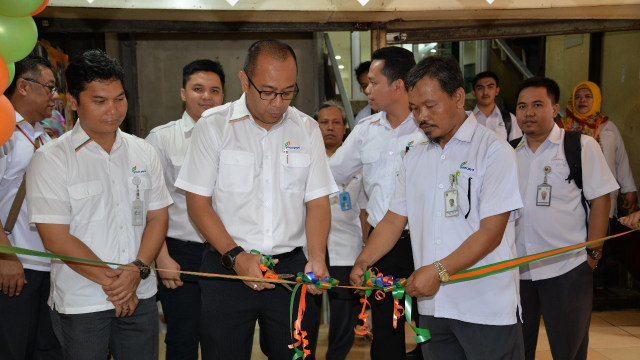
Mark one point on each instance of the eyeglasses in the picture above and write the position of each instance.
(271, 95)
(52, 88)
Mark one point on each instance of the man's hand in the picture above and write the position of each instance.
(11, 275)
(631, 221)
(249, 265)
(630, 201)
(170, 279)
(592, 263)
(126, 280)
(356, 278)
(423, 282)
(320, 270)
(127, 308)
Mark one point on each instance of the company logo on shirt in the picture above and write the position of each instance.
(464, 166)
(410, 144)
(135, 170)
(288, 146)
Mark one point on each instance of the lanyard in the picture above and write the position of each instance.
(35, 144)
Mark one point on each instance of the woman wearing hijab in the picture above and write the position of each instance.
(583, 115)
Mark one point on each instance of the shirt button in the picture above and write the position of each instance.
(439, 214)
(442, 157)
(390, 152)
(267, 204)
(440, 186)
(438, 242)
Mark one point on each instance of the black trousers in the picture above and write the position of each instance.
(230, 310)
(565, 304)
(181, 306)
(344, 306)
(25, 324)
(389, 343)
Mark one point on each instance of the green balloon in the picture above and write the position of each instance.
(19, 8)
(18, 36)
(12, 71)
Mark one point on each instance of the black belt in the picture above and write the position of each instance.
(405, 233)
(188, 242)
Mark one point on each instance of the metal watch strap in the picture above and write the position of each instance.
(443, 274)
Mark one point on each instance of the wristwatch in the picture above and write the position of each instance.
(229, 258)
(443, 274)
(145, 270)
(595, 254)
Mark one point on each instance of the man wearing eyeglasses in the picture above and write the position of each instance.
(256, 178)
(25, 329)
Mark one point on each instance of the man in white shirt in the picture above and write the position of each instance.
(107, 202)
(485, 87)
(376, 147)
(202, 89)
(469, 164)
(560, 288)
(345, 237)
(256, 178)
(25, 329)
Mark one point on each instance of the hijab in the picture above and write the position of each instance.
(590, 122)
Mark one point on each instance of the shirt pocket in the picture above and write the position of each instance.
(236, 171)
(294, 169)
(87, 202)
(176, 164)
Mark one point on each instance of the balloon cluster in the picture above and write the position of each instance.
(18, 36)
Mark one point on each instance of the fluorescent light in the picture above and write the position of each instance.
(338, 57)
(340, 67)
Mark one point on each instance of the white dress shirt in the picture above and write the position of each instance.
(487, 186)
(364, 113)
(376, 148)
(93, 192)
(542, 228)
(172, 140)
(496, 123)
(259, 180)
(616, 156)
(345, 237)
(19, 150)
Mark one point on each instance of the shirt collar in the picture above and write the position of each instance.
(467, 129)
(34, 131)
(240, 112)
(79, 138)
(384, 122)
(476, 111)
(187, 123)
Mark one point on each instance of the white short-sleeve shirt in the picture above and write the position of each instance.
(542, 228)
(19, 150)
(376, 148)
(345, 236)
(496, 123)
(172, 140)
(93, 191)
(259, 180)
(487, 186)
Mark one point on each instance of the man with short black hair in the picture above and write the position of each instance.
(107, 203)
(362, 71)
(559, 288)
(256, 178)
(469, 164)
(202, 89)
(377, 147)
(485, 87)
(25, 328)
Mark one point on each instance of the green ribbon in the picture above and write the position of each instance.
(422, 335)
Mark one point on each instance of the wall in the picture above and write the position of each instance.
(161, 57)
(621, 89)
(567, 62)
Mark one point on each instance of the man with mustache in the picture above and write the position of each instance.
(25, 331)
(485, 87)
(468, 162)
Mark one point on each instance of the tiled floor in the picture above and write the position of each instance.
(614, 335)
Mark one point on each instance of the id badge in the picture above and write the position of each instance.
(345, 201)
(137, 211)
(451, 202)
(543, 196)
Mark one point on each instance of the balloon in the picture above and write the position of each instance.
(7, 119)
(18, 8)
(18, 36)
(39, 10)
(4, 76)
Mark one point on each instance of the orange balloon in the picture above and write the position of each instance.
(7, 119)
(4, 75)
(39, 10)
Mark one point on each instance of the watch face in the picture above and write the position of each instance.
(227, 261)
(444, 277)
